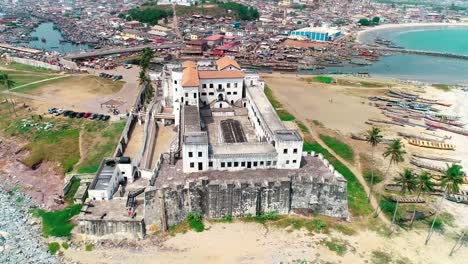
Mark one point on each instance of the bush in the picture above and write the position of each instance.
(323, 79)
(227, 218)
(57, 223)
(337, 246)
(65, 245)
(438, 224)
(195, 222)
(53, 248)
(368, 175)
(89, 247)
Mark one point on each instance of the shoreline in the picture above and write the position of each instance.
(361, 34)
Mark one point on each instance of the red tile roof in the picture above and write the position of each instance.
(234, 74)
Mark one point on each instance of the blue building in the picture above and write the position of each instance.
(316, 33)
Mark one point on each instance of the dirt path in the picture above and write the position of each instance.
(354, 170)
(41, 81)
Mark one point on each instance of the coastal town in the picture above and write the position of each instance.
(207, 131)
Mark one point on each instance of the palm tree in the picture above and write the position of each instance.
(396, 152)
(8, 83)
(451, 181)
(373, 138)
(142, 77)
(424, 184)
(407, 181)
(453, 178)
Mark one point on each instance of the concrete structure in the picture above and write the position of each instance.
(226, 121)
(314, 188)
(111, 173)
(316, 33)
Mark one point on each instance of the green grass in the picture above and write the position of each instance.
(21, 79)
(388, 208)
(304, 129)
(53, 248)
(368, 175)
(20, 199)
(71, 193)
(195, 222)
(442, 87)
(61, 146)
(110, 137)
(338, 246)
(24, 67)
(323, 79)
(381, 257)
(30, 87)
(357, 198)
(89, 247)
(339, 147)
(283, 114)
(57, 223)
(65, 245)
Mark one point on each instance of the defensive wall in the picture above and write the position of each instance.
(314, 188)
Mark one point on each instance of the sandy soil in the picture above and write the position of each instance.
(163, 141)
(43, 184)
(253, 243)
(312, 101)
(135, 141)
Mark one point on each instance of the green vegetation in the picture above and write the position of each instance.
(24, 67)
(34, 86)
(57, 223)
(368, 177)
(339, 147)
(103, 147)
(337, 245)
(65, 245)
(319, 224)
(388, 208)
(147, 15)
(89, 247)
(180, 228)
(227, 218)
(20, 199)
(323, 79)
(366, 22)
(381, 257)
(442, 87)
(53, 247)
(241, 11)
(357, 198)
(74, 187)
(304, 129)
(282, 113)
(195, 222)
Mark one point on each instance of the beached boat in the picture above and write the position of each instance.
(431, 144)
(437, 158)
(428, 165)
(442, 116)
(454, 129)
(448, 122)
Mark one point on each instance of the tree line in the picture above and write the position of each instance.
(243, 12)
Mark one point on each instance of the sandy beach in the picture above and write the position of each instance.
(361, 34)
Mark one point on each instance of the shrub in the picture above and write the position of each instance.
(195, 222)
(323, 79)
(227, 218)
(53, 248)
(337, 246)
(89, 247)
(57, 223)
(65, 245)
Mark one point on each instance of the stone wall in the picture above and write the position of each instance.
(34, 63)
(131, 228)
(166, 206)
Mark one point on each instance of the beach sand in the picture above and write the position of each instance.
(254, 243)
(361, 34)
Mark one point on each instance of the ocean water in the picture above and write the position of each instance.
(422, 68)
(53, 38)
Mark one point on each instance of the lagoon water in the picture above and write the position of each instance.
(419, 67)
(53, 37)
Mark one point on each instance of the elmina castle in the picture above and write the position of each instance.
(232, 156)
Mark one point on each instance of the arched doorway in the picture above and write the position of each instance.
(220, 97)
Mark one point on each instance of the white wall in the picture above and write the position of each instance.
(191, 164)
(229, 94)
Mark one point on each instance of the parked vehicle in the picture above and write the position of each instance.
(80, 114)
(99, 117)
(105, 118)
(67, 112)
(93, 116)
(59, 112)
(86, 115)
(72, 114)
(52, 110)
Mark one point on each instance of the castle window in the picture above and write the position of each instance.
(261, 163)
(190, 154)
(285, 151)
(243, 164)
(192, 164)
(204, 94)
(236, 164)
(175, 81)
(294, 161)
(228, 85)
(295, 151)
(210, 164)
(229, 93)
(274, 163)
(200, 154)
(235, 85)
(268, 163)
(255, 164)
(204, 85)
(195, 95)
(210, 93)
(186, 94)
(229, 164)
(234, 93)
(287, 162)
(223, 164)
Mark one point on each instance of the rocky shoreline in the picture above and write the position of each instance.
(20, 234)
